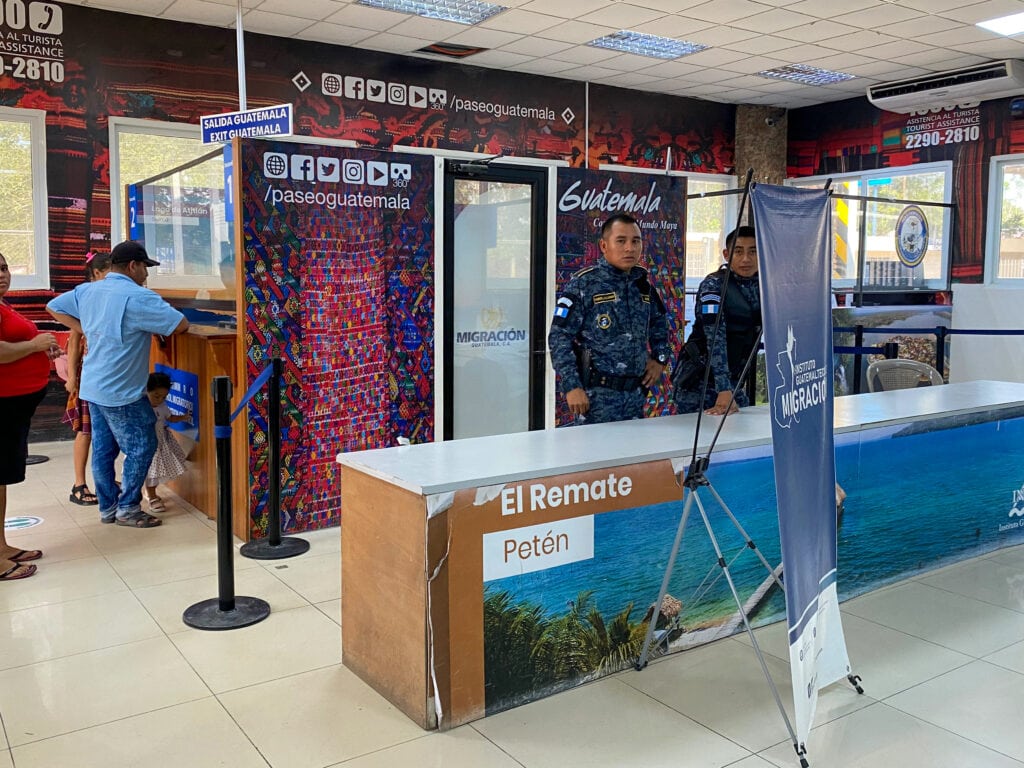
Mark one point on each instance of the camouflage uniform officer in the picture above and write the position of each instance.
(737, 332)
(609, 336)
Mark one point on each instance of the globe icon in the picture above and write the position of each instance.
(331, 85)
(274, 165)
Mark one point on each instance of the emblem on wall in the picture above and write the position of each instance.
(911, 236)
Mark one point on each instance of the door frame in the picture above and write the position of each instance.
(540, 256)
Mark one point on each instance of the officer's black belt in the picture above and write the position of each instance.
(618, 383)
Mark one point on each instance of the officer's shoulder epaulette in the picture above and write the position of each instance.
(584, 271)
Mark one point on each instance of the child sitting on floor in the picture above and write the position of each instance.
(169, 459)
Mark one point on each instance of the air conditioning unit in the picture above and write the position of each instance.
(994, 80)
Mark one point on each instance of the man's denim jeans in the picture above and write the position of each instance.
(129, 429)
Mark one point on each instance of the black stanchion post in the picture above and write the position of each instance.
(224, 611)
(941, 332)
(858, 363)
(274, 547)
(892, 350)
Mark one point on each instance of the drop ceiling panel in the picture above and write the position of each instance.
(367, 18)
(773, 21)
(576, 32)
(991, 9)
(523, 22)
(478, 37)
(316, 10)
(535, 46)
(724, 11)
(200, 12)
(878, 17)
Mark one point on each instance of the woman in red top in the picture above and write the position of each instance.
(25, 355)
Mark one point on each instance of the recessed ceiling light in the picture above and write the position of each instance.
(801, 73)
(647, 45)
(1004, 25)
(462, 11)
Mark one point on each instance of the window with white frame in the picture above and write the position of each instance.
(1004, 257)
(24, 234)
(864, 229)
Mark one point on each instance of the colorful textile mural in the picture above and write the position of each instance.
(339, 269)
(652, 130)
(585, 199)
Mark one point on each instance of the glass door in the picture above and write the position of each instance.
(494, 302)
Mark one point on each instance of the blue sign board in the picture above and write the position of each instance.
(134, 213)
(229, 184)
(183, 398)
(251, 123)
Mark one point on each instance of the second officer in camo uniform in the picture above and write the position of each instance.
(609, 336)
(738, 330)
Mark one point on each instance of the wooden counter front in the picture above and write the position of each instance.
(208, 352)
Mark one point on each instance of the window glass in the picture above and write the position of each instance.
(866, 230)
(1006, 230)
(180, 208)
(23, 220)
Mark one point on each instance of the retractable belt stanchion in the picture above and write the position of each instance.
(224, 611)
(274, 547)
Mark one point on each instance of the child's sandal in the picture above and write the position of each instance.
(157, 505)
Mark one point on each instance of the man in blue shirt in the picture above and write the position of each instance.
(118, 317)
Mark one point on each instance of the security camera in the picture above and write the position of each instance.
(770, 122)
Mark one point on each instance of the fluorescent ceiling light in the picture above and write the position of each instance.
(1004, 25)
(647, 45)
(801, 73)
(462, 11)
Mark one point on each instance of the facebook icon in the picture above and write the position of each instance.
(302, 167)
(354, 87)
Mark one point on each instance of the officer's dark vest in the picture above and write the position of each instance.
(743, 323)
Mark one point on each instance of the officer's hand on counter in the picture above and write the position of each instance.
(653, 372)
(722, 405)
(577, 401)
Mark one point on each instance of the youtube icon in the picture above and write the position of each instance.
(377, 173)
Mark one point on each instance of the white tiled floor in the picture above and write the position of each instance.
(97, 669)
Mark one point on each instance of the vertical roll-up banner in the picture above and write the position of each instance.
(793, 245)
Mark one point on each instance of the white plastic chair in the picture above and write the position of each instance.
(885, 375)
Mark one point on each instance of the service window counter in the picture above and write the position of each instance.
(193, 359)
(483, 573)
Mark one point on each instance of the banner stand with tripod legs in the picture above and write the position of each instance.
(695, 478)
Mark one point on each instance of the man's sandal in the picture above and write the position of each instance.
(80, 494)
(17, 571)
(140, 520)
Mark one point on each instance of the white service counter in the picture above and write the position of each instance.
(426, 529)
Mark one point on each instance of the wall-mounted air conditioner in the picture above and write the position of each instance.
(994, 80)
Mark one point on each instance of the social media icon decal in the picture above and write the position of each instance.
(401, 171)
(438, 98)
(417, 96)
(354, 87)
(331, 84)
(302, 167)
(397, 93)
(275, 165)
(376, 90)
(353, 172)
(328, 169)
(377, 173)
